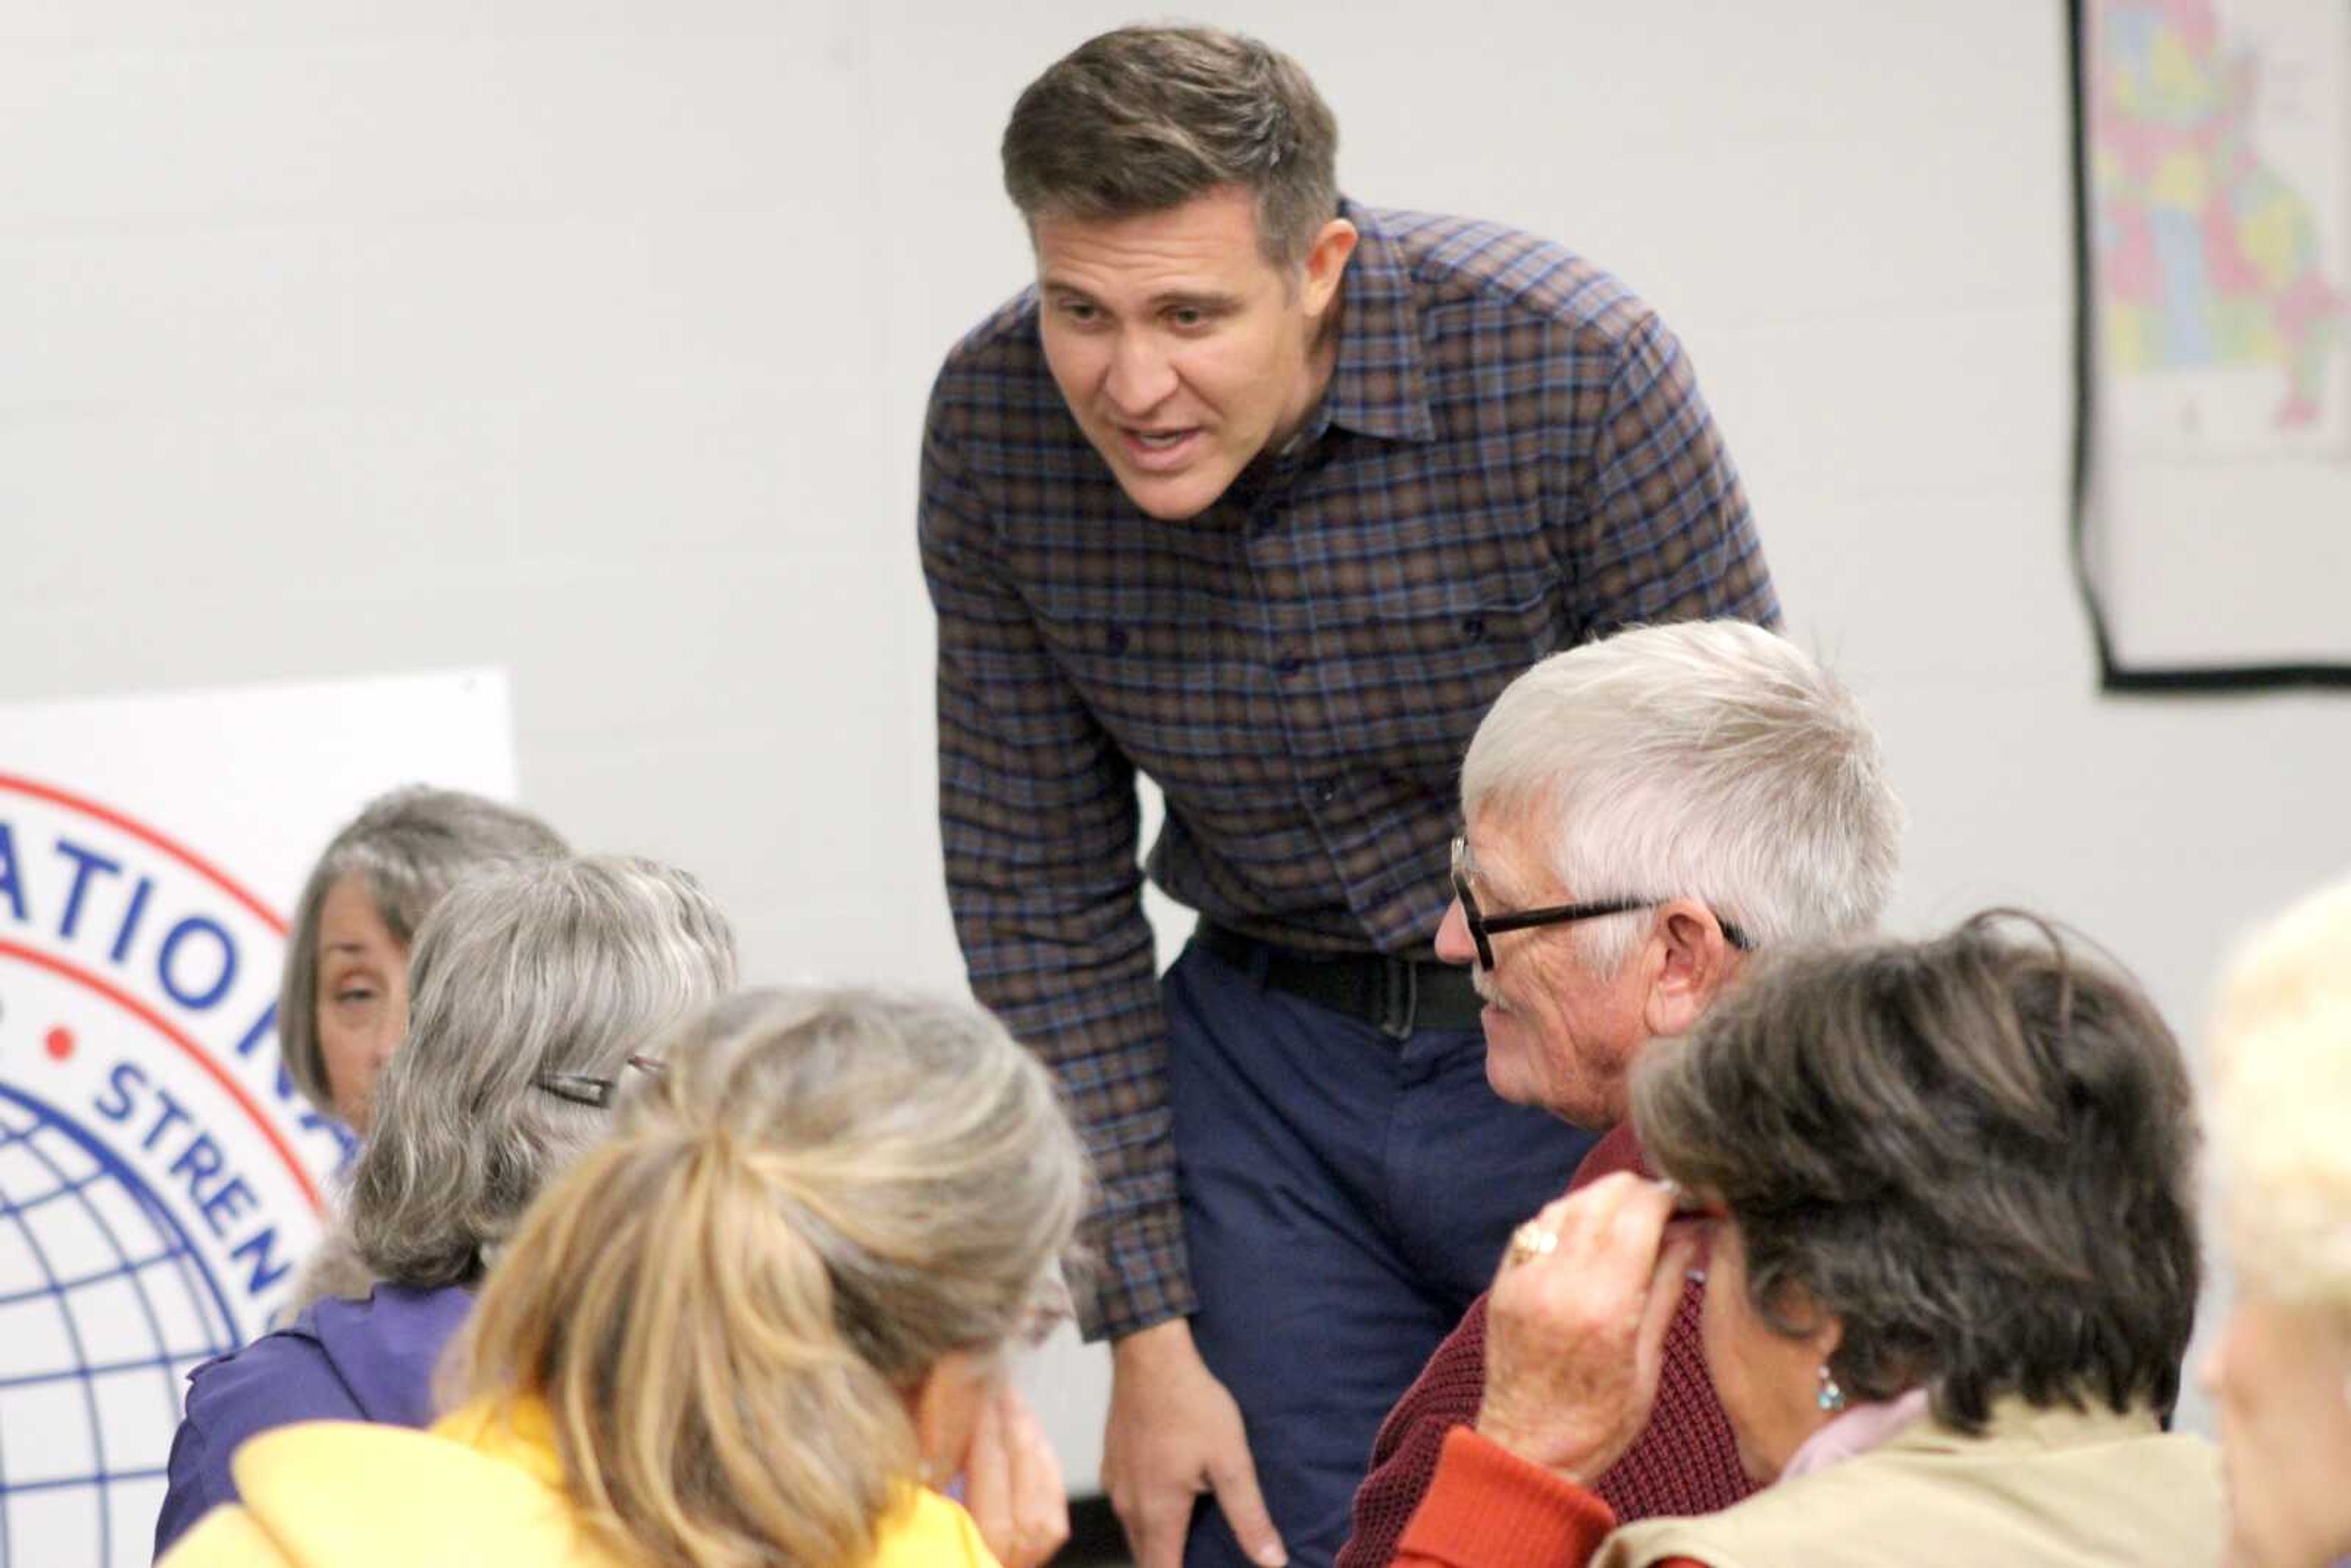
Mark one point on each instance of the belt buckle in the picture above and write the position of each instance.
(1399, 996)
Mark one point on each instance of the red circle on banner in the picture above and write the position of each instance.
(59, 1041)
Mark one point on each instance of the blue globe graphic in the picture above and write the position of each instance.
(104, 1306)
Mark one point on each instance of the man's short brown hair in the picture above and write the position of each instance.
(1144, 119)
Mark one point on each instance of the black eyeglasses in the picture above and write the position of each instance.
(1484, 927)
(581, 1090)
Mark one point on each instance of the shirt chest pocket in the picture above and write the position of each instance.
(1469, 632)
(1148, 665)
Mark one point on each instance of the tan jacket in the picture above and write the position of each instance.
(2040, 1489)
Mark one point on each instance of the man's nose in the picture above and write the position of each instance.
(1141, 376)
(1454, 944)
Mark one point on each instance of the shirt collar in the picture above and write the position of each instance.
(1907, 1421)
(1856, 1431)
(1376, 386)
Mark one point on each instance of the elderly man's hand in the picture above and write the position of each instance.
(1575, 1335)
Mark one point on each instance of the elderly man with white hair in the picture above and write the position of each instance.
(1641, 812)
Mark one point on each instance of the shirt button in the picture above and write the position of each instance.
(1262, 523)
(1288, 664)
(1473, 627)
(1325, 791)
(1115, 639)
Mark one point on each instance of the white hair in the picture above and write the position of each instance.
(524, 977)
(1709, 760)
(2282, 1101)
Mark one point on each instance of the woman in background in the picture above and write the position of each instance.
(1952, 1269)
(342, 1004)
(2282, 1372)
(745, 1331)
(537, 987)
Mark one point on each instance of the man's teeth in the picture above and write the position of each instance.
(1159, 441)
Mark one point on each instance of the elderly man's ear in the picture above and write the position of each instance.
(1690, 962)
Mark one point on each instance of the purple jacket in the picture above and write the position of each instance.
(339, 1361)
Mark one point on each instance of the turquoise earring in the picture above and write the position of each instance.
(1831, 1397)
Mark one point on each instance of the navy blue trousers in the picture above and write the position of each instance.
(1345, 1198)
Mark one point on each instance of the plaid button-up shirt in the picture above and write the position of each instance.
(1511, 458)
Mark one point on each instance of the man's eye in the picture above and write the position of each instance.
(1188, 315)
(353, 995)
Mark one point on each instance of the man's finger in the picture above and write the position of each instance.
(1593, 1213)
(1157, 1530)
(1558, 1215)
(1244, 1506)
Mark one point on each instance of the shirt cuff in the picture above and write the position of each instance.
(1143, 1279)
(1486, 1505)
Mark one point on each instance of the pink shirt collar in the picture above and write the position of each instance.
(1856, 1431)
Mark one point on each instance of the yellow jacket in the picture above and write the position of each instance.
(345, 1494)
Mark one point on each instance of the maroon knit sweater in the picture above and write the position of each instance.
(1684, 1462)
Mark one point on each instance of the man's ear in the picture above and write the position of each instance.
(1325, 265)
(1691, 962)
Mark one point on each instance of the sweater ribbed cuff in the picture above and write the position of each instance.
(1487, 1505)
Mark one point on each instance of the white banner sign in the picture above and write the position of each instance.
(159, 1178)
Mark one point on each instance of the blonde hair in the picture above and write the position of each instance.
(724, 1306)
(2282, 1099)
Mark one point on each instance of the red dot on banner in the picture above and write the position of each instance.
(60, 1043)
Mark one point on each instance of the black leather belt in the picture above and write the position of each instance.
(1395, 995)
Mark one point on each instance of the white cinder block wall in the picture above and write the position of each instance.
(339, 337)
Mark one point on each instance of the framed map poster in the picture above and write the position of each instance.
(2212, 517)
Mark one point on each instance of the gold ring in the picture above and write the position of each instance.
(1530, 1241)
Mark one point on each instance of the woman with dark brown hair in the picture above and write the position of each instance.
(1941, 1193)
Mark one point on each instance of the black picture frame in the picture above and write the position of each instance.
(2114, 674)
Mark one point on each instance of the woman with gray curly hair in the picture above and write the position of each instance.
(538, 988)
(745, 1330)
(342, 1004)
(1944, 1196)
(2281, 1374)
